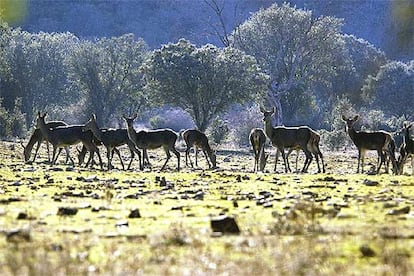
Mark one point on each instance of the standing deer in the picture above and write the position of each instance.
(112, 138)
(38, 138)
(153, 139)
(197, 139)
(282, 137)
(64, 136)
(381, 141)
(406, 149)
(257, 139)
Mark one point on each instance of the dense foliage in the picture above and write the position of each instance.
(203, 81)
(304, 63)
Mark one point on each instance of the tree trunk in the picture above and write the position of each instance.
(274, 99)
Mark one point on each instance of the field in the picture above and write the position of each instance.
(82, 221)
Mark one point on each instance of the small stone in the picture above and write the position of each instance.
(367, 251)
(134, 214)
(67, 211)
(224, 224)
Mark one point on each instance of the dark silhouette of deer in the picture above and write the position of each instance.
(257, 139)
(37, 137)
(64, 136)
(406, 149)
(381, 141)
(302, 137)
(197, 139)
(111, 139)
(153, 139)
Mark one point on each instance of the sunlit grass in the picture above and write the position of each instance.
(291, 224)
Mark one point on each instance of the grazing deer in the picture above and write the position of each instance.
(197, 139)
(257, 139)
(406, 149)
(112, 138)
(153, 139)
(381, 141)
(64, 136)
(38, 138)
(282, 137)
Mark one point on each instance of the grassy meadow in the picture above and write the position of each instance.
(83, 221)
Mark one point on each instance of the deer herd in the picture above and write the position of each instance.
(301, 138)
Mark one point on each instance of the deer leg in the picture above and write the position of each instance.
(108, 156)
(285, 160)
(37, 149)
(187, 156)
(308, 160)
(120, 158)
(69, 157)
(208, 162)
(276, 158)
(167, 152)
(381, 160)
(196, 155)
(55, 155)
(48, 154)
(360, 160)
(178, 157)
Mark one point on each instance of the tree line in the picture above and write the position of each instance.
(280, 56)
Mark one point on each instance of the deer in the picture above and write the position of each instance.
(302, 137)
(111, 139)
(153, 139)
(64, 136)
(197, 139)
(38, 138)
(406, 149)
(381, 141)
(257, 139)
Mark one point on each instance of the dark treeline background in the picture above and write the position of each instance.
(181, 64)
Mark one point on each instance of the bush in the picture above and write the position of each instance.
(218, 130)
(243, 119)
(175, 119)
(12, 124)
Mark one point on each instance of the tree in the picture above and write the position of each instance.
(106, 71)
(202, 81)
(364, 60)
(37, 72)
(391, 90)
(292, 47)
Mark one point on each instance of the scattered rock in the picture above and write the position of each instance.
(134, 214)
(18, 235)
(224, 224)
(67, 211)
(368, 182)
(401, 211)
(22, 215)
(122, 223)
(367, 251)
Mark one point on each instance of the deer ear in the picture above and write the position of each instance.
(356, 118)
(262, 109)
(134, 116)
(93, 116)
(343, 118)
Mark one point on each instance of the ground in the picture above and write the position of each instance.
(69, 221)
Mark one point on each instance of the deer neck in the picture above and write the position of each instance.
(268, 127)
(36, 137)
(45, 130)
(97, 132)
(352, 133)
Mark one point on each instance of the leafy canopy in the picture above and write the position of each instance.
(203, 81)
